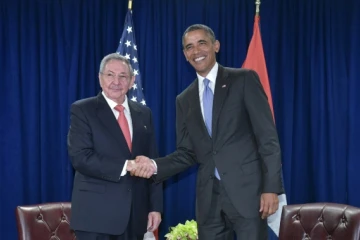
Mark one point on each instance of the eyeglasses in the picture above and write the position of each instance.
(112, 76)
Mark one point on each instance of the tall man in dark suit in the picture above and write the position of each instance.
(223, 123)
(105, 131)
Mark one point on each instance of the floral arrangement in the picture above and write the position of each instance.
(187, 231)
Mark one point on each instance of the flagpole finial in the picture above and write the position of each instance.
(257, 3)
(130, 4)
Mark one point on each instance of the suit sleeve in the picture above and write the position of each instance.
(156, 189)
(265, 133)
(184, 156)
(83, 157)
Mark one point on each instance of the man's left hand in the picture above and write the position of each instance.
(154, 220)
(269, 204)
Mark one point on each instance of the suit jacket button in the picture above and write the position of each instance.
(129, 189)
(214, 152)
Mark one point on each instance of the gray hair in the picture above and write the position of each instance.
(195, 27)
(115, 56)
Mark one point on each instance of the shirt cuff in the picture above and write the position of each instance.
(123, 172)
(155, 166)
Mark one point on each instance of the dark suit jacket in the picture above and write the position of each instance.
(244, 145)
(101, 199)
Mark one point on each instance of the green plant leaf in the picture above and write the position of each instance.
(187, 231)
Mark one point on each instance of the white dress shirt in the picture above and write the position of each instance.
(127, 113)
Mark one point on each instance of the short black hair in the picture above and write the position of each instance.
(195, 27)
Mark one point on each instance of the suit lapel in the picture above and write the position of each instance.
(138, 126)
(221, 90)
(107, 118)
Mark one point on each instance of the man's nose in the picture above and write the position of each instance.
(196, 49)
(117, 80)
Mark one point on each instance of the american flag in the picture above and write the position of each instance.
(127, 47)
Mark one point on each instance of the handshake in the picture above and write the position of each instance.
(141, 166)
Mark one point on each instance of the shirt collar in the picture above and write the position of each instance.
(113, 104)
(211, 75)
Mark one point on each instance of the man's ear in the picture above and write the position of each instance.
(100, 80)
(132, 81)
(217, 46)
(185, 56)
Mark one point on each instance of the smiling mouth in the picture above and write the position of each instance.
(199, 59)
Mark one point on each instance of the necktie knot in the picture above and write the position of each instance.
(206, 82)
(120, 108)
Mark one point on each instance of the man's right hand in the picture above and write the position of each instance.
(143, 167)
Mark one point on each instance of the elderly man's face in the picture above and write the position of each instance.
(116, 80)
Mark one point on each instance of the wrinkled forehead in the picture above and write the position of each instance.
(117, 66)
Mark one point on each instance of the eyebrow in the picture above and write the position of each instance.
(188, 45)
(200, 41)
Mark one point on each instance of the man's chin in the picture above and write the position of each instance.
(116, 97)
(199, 67)
(116, 93)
